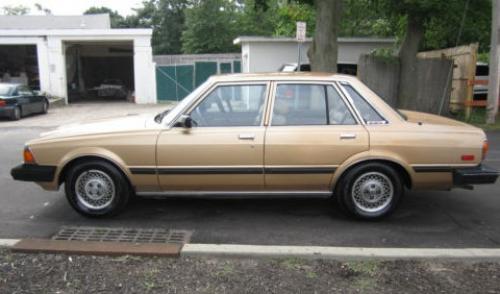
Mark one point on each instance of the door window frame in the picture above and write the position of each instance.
(275, 84)
(340, 85)
(213, 87)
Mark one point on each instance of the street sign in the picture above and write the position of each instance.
(301, 31)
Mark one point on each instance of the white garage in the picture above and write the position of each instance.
(268, 54)
(78, 58)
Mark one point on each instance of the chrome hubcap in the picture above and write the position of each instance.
(95, 189)
(372, 192)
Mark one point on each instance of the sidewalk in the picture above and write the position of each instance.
(82, 112)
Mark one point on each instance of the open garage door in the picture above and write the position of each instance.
(99, 71)
(19, 64)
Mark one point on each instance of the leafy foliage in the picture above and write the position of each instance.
(210, 27)
(288, 15)
(117, 21)
(15, 10)
(191, 25)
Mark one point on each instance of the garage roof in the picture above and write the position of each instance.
(50, 22)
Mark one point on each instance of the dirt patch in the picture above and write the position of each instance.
(50, 273)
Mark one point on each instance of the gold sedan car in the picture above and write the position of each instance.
(287, 134)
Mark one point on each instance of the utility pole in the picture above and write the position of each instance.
(493, 83)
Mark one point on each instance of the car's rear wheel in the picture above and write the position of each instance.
(16, 114)
(97, 188)
(370, 191)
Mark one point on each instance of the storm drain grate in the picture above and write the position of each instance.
(101, 234)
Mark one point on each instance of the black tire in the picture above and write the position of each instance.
(99, 171)
(45, 107)
(17, 114)
(372, 178)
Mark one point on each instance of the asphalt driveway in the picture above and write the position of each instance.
(459, 218)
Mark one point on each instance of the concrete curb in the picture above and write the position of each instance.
(317, 252)
(8, 242)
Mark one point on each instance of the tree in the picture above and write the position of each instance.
(117, 21)
(45, 10)
(210, 27)
(15, 10)
(324, 49)
(256, 17)
(168, 24)
(416, 14)
(359, 19)
(288, 15)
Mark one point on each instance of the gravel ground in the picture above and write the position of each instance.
(48, 273)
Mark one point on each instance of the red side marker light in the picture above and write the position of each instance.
(467, 157)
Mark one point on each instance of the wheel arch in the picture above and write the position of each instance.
(398, 166)
(74, 161)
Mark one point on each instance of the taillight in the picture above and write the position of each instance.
(29, 158)
(2, 103)
(486, 147)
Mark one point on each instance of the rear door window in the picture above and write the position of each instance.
(367, 112)
(309, 104)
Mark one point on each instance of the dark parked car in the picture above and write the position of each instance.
(18, 100)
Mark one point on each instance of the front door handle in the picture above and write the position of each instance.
(347, 136)
(247, 136)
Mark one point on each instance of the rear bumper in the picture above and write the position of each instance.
(477, 175)
(7, 111)
(33, 173)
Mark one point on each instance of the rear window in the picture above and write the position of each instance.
(6, 90)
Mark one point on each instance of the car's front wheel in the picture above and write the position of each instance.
(45, 107)
(96, 188)
(370, 191)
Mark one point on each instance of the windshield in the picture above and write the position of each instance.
(168, 115)
(6, 90)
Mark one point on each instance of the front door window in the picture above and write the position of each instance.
(231, 106)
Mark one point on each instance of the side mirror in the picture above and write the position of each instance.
(185, 121)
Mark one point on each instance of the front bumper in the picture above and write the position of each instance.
(477, 175)
(33, 173)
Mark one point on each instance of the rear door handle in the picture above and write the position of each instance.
(347, 136)
(247, 136)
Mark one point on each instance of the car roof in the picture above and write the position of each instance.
(315, 76)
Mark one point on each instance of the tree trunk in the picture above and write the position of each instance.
(493, 84)
(323, 51)
(408, 60)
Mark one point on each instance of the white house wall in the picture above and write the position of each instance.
(270, 56)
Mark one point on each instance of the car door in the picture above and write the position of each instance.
(312, 131)
(224, 149)
(30, 101)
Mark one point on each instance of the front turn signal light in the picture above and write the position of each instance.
(28, 156)
(485, 149)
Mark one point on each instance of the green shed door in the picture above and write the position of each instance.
(236, 66)
(203, 70)
(225, 68)
(165, 83)
(185, 80)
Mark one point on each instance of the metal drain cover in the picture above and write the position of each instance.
(131, 235)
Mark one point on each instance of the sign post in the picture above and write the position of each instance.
(301, 38)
